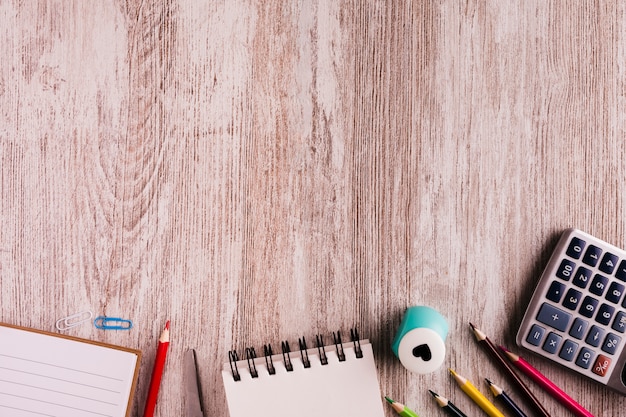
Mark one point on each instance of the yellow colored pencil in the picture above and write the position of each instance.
(471, 391)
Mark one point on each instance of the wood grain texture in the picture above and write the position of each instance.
(258, 171)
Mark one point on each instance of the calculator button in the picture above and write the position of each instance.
(554, 317)
(535, 335)
(598, 285)
(588, 306)
(582, 277)
(572, 298)
(552, 343)
(621, 271)
(566, 270)
(568, 350)
(611, 343)
(585, 357)
(601, 366)
(592, 255)
(555, 292)
(575, 247)
(608, 264)
(579, 328)
(594, 338)
(605, 314)
(619, 324)
(615, 292)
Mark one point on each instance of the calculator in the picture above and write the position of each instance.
(577, 314)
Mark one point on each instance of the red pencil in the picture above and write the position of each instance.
(549, 386)
(157, 371)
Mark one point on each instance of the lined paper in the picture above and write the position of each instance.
(45, 374)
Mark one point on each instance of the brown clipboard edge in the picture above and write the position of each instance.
(92, 342)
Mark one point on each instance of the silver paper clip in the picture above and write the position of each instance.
(112, 323)
(73, 320)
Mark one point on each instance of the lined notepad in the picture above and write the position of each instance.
(52, 375)
(346, 387)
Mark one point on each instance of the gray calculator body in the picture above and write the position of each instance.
(577, 314)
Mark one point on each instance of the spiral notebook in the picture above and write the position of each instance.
(338, 379)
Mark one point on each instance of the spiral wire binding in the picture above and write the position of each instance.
(339, 346)
(267, 352)
(233, 358)
(354, 337)
(250, 357)
(303, 353)
(320, 348)
(286, 358)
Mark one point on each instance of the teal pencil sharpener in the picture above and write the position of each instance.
(420, 340)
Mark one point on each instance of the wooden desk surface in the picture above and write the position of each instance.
(258, 171)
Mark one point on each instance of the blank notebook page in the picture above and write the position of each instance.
(46, 374)
(348, 388)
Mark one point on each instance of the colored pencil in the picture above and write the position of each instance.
(541, 380)
(157, 371)
(447, 405)
(508, 401)
(401, 409)
(468, 388)
(491, 349)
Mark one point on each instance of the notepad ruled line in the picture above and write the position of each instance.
(60, 379)
(59, 392)
(26, 411)
(56, 404)
(61, 367)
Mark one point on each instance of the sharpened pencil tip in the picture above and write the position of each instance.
(167, 325)
(472, 326)
(433, 393)
(488, 381)
(389, 400)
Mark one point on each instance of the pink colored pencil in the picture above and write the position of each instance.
(157, 371)
(549, 386)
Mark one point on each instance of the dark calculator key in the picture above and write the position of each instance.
(595, 336)
(575, 248)
(611, 343)
(608, 263)
(621, 271)
(566, 270)
(598, 285)
(554, 317)
(615, 292)
(588, 307)
(579, 328)
(592, 255)
(605, 314)
(555, 292)
(582, 277)
(535, 335)
(585, 357)
(572, 298)
(568, 350)
(619, 324)
(552, 343)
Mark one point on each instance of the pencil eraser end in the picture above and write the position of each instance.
(420, 340)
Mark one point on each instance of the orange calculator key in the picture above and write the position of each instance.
(602, 365)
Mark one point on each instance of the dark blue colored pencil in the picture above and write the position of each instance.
(447, 406)
(508, 401)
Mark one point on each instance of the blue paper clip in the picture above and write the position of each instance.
(112, 323)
